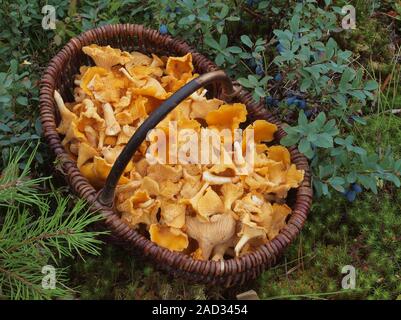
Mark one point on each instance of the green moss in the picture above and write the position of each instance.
(117, 274)
(371, 39)
(380, 132)
(364, 235)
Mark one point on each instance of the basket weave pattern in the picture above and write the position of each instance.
(59, 76)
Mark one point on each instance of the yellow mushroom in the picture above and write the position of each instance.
(173, 214)
(200, 108)
(126, 133)
(151, 186)
(213, 179)
(106, 57)
(227, 116)
(112, 126)
(67, 116)
(218, 230)
(162, 172)
(168, 237)
(231, 192)
(138, 59)
(249, 230)
(85, 153)
(179, 66)
(280, 214)
(209, 204)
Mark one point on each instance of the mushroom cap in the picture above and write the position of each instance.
(179, 66)
(227, 116)
(168, 237)
(106, 57)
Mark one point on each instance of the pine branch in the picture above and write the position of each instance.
(38, 229)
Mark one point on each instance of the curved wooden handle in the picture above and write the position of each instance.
(106, 196)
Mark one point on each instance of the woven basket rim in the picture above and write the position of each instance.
(264, 255)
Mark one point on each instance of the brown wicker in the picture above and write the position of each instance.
(59, 75)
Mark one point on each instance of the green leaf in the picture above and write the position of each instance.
(223, 41)
(302, 119)
(320, 120)
(306, 84)
(294, 23)
(260, 92)
(324, 140)
(337, 183)
(244, 82)
(5, 128)
(371, 85)
(212, 43)
(234, 49)
(290, 140)
(247, 41)
(219, 59)
(304, 146)
(23, 101)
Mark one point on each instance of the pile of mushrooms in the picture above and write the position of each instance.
(207, 211)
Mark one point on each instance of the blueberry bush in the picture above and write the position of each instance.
(335, 90)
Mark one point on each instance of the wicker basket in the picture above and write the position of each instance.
(59, 75)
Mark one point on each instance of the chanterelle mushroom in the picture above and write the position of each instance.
(209, 234)
(112, 126)
(67, 116)
(249, 230)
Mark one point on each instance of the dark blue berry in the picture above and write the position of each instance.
(308, 113)
(357, 188)
(252, 63)
(177, 10)
(168, 9)
(250, 3)
(280, 48)
(270, 101)
(259, 70)
(291, 100)
(301, 104)
(351, 195)
(278, 77)
(163, 29)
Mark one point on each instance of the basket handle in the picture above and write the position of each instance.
(106, 195)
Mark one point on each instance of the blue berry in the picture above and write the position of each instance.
(177, 10)
(168, 9)
(252, 63)
(270, 101)
(301, 104)
(163, 29)
(250, 3)
(259, 70)
(291, 100)
(278, 77)
(280, 48)
(351, 195)
(308, 113)
(357, 188)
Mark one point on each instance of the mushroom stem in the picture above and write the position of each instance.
(242, 241)
(112, 126)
